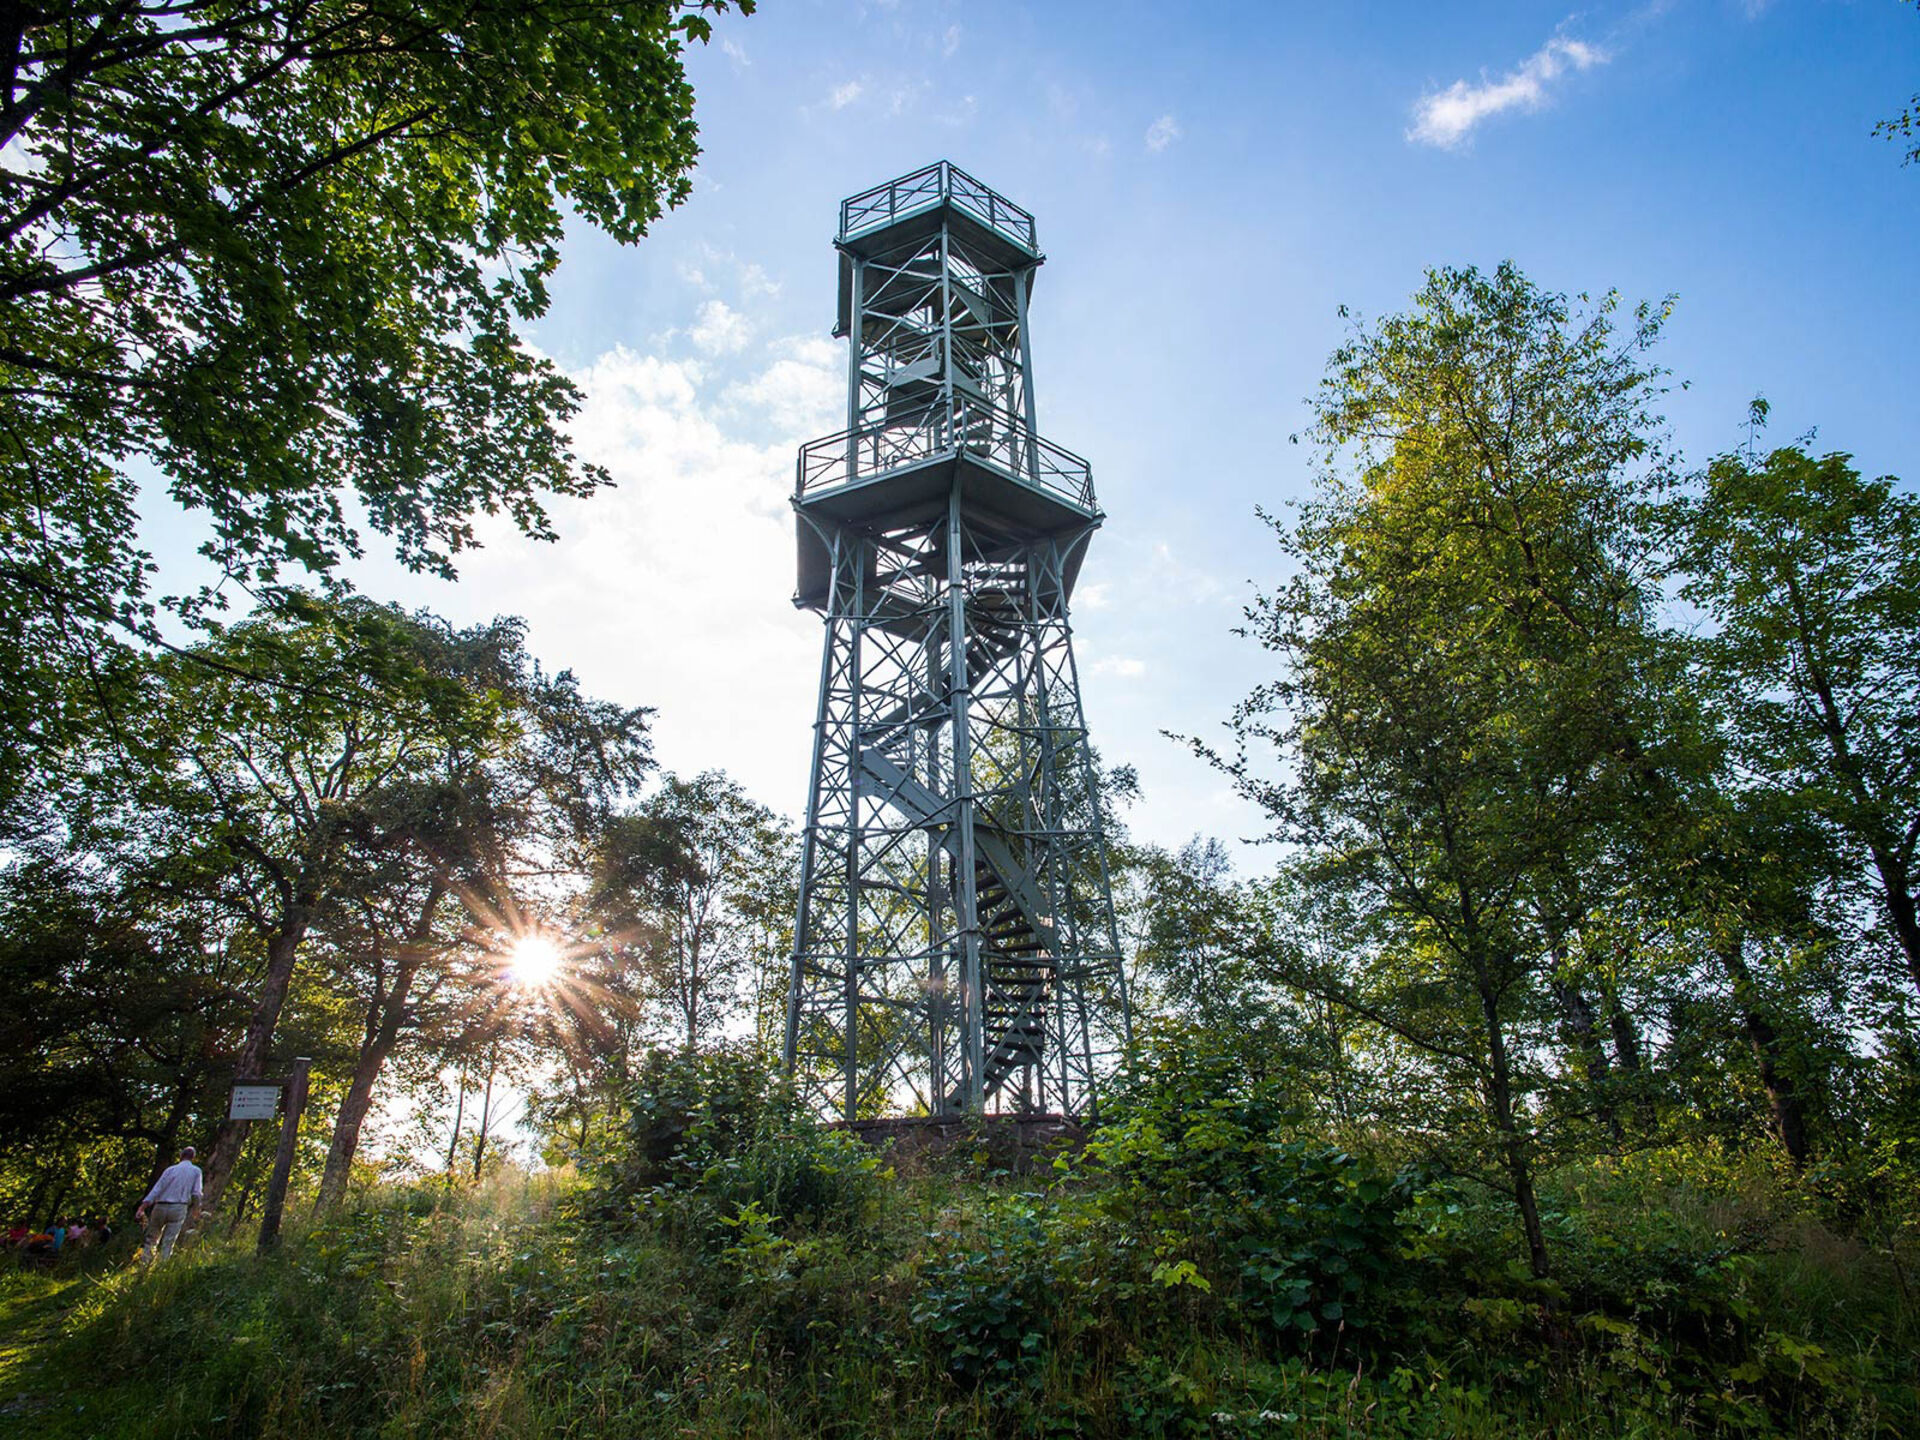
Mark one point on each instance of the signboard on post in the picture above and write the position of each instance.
(254, 1101)
(296, 1084)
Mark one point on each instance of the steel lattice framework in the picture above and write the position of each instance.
(955, 944)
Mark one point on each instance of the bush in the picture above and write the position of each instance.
(712, 1135)
(1305, 1236)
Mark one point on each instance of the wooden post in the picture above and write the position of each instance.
(296, 1101)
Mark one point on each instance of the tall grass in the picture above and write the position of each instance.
(500, 1312)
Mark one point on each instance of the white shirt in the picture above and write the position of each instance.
(177, 1185)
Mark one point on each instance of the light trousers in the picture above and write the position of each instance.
(163, 1226)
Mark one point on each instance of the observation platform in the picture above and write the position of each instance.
(892, 475)
(903, 212)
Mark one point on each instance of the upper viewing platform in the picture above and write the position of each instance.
(888, 221)
(925, 191)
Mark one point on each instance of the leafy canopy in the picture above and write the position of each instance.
(273, 257)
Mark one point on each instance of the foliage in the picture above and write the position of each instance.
(277, 253)
(1902, 128)
(1470, 696)
(1811, 575)
(1696, 1297)
(1210, 1164)
(718, 1140)
(688, 890)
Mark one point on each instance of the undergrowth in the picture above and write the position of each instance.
(733, 1270)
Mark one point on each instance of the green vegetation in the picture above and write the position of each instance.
(1560, 1076)
(1207, 1268)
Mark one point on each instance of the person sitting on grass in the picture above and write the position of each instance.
(165, 1209)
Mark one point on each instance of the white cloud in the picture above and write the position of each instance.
(802, 393)
(1125, 667)
(672, 588)
(755, 282)
(844, 95)
(950, 41)
(720, 329)
(1448, 118)
(734, 53)
(1162, 133)
(902, 98)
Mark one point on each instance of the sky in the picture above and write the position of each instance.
(1211, 184)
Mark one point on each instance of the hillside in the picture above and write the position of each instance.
(729, 1269)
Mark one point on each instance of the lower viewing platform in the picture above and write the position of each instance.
(901, 472)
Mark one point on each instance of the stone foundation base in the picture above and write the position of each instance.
(1020, 1144)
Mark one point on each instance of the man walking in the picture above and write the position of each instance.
(165, 1209)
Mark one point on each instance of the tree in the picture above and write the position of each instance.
(1811, 576)
(119, 1006)
(276, 252)
(680, 885)
(257, 760)
(464, 852)
(1901, 129)
(1462, 712)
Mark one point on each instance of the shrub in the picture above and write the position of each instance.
(710, 1135)
(984, 1299)
(1304, 1235)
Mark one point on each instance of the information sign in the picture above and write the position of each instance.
(254, 1102)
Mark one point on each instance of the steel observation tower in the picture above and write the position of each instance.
(955, 948)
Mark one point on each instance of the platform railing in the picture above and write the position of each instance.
(923, 189)
(987, 434)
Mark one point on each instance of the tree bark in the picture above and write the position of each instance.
(1626, 1055)
(486, 1116)
(283, 950)
(1576, 1013)
(459, 1114)
(389, 1018)
(1901, 907)
(1513, 1141)
(1763, 1038)
(164, 1145)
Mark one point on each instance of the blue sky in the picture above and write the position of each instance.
(1210, 183)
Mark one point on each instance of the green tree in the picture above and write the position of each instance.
(1811, 577)
(462, 856)
(1462, 712)
(683, 886)
(119, 1007)
(255, 768)
(277, 256)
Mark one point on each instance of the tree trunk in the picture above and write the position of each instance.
(165, 1145)
(1626, 1056)
(389, 1020)
(1513, 1141)
(459, 1114)
(1576, 1014)
(1789, 1120)
(353, 1109)
(1901, 908)
(282, 951)
(486, 1115)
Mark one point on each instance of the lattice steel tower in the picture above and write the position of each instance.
(955, 944)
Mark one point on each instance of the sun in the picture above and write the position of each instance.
(536, 961)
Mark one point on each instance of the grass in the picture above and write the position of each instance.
(924, 1312)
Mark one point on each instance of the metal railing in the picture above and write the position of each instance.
(926, 188)
(987, 434)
